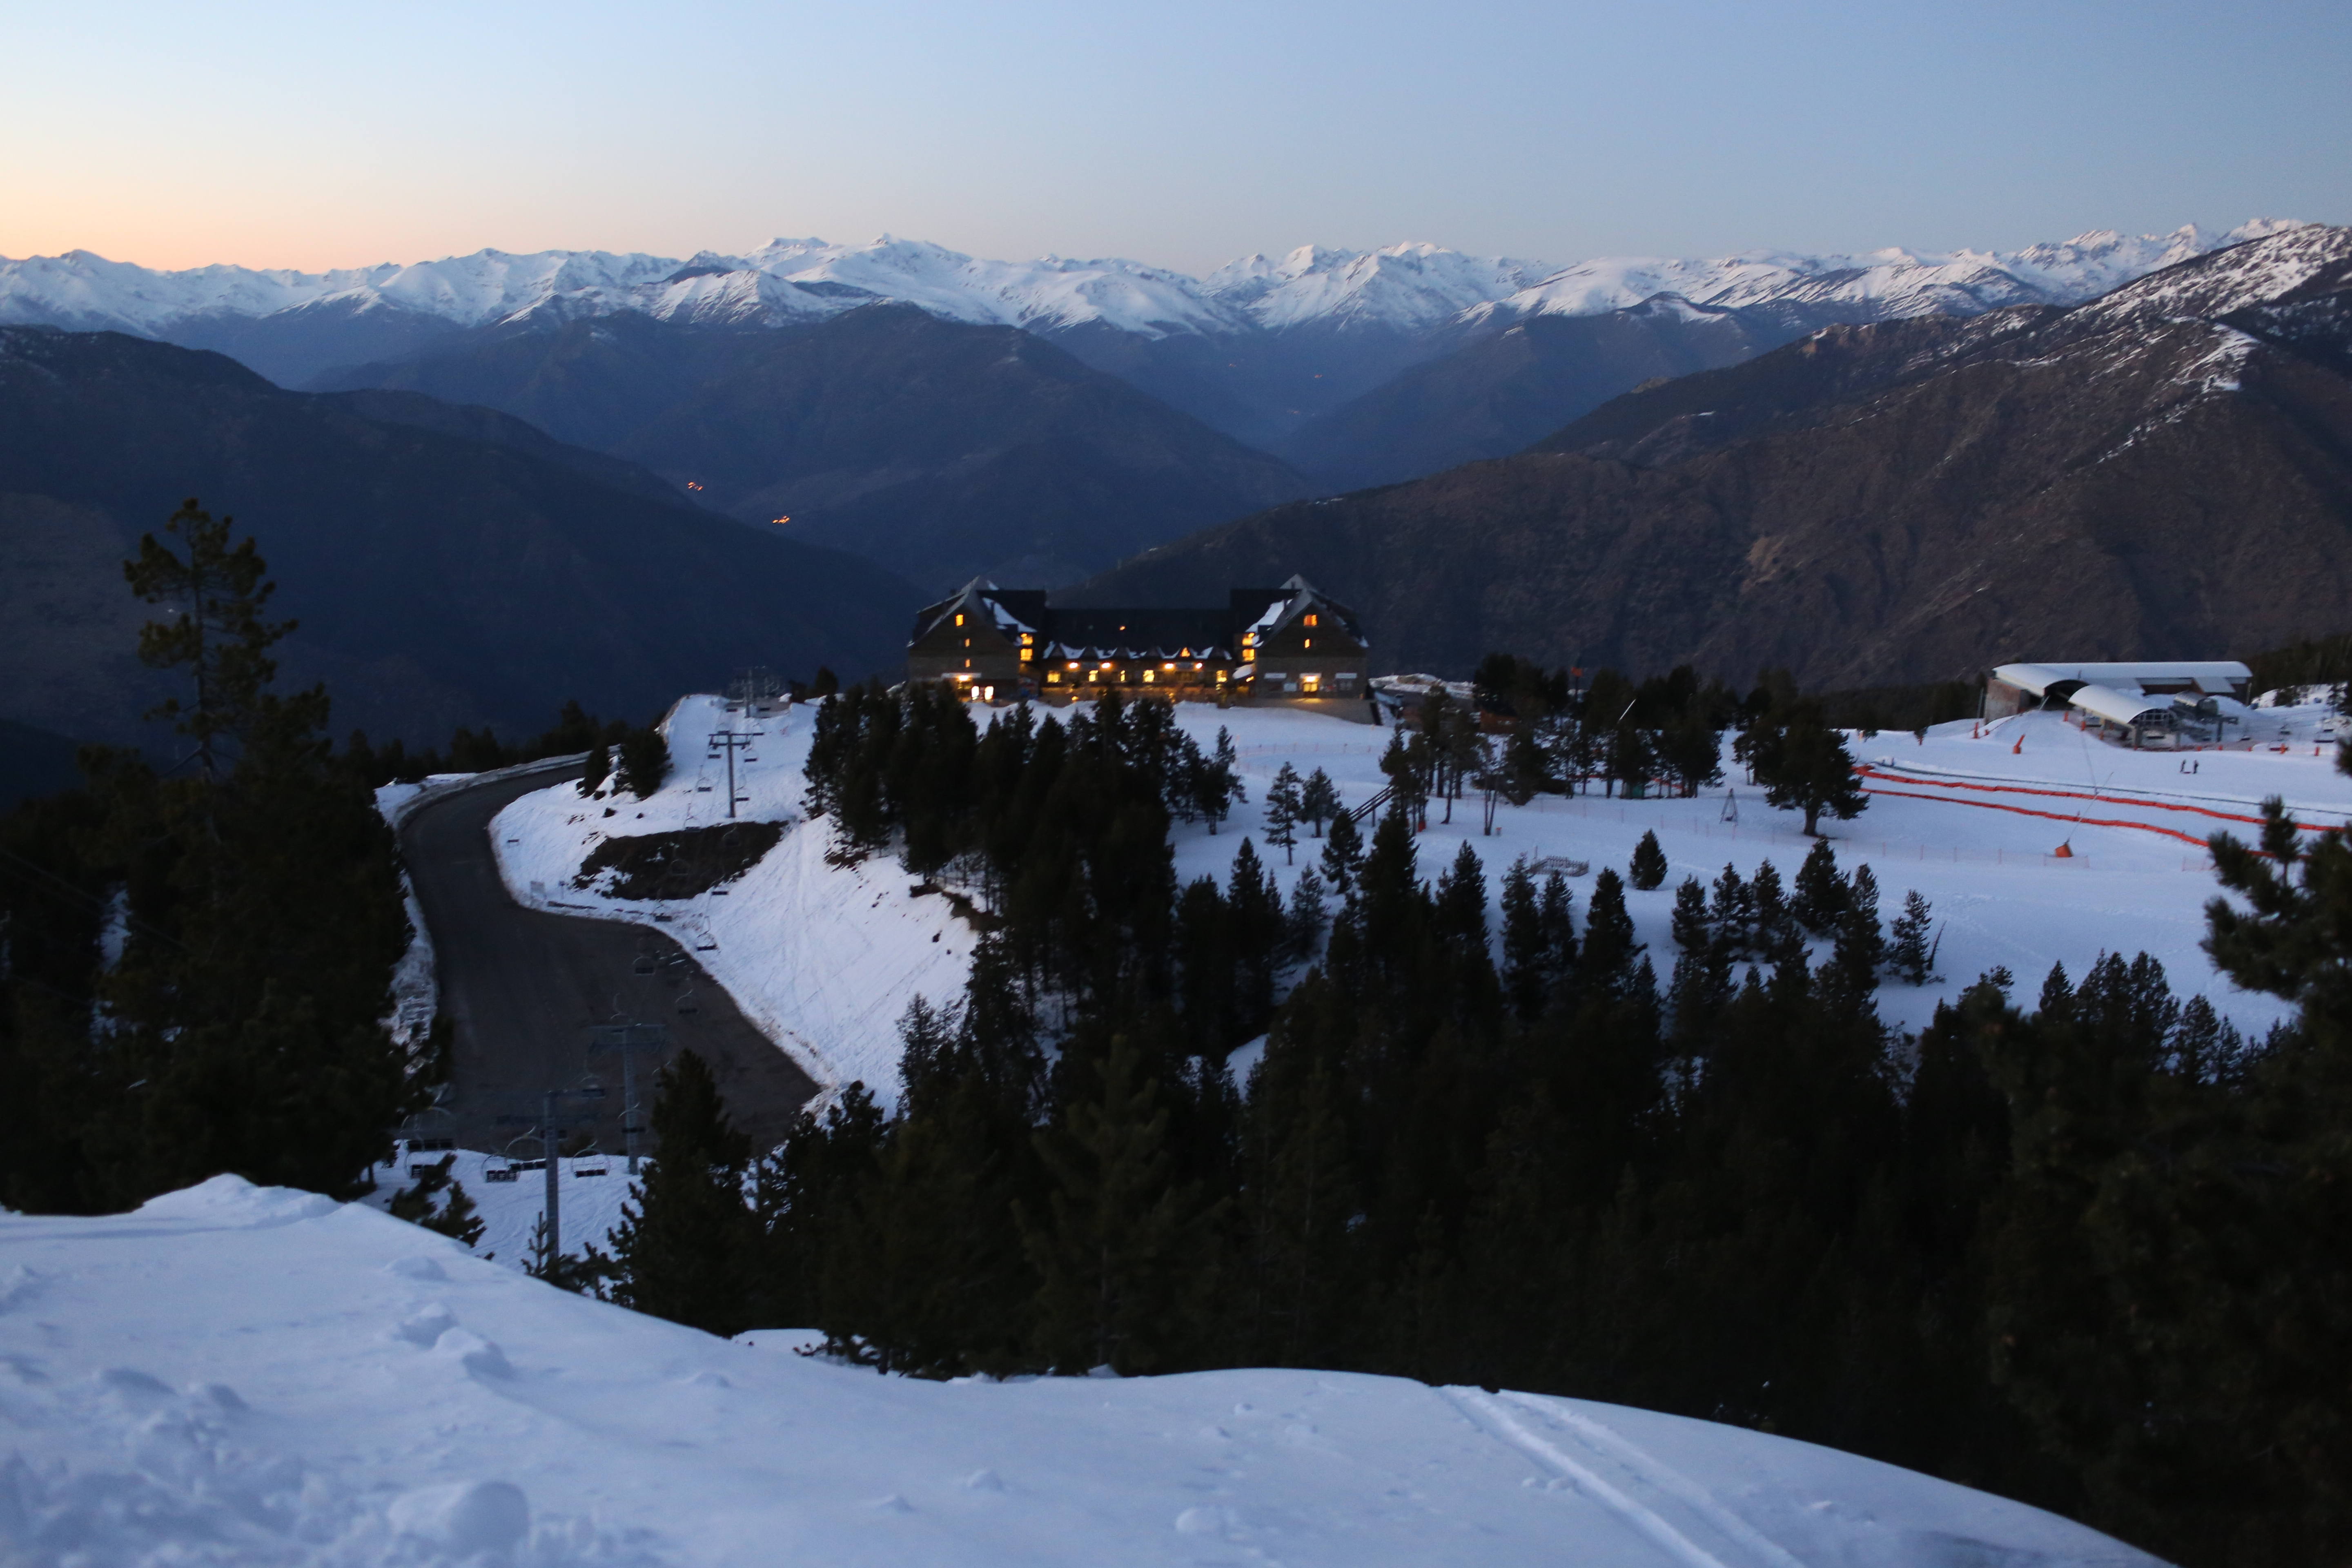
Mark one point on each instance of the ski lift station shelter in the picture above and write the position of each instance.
(2143, 701)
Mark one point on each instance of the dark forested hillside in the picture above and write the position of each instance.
(449, 566)
(941, 449)
(2164, 472)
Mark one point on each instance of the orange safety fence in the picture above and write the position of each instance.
(2053, 815)
(1870, 772)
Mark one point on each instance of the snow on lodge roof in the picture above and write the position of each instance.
(2215, 677)
(2123, 693)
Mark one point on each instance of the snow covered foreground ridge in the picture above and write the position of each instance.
(252, 1376)
(1409, 287)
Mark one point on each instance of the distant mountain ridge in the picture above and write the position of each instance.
(2165, 471)
(939, 450)
(447, 565)
(1174, 335)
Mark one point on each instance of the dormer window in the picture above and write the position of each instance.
(959, 618)
(1307, 620)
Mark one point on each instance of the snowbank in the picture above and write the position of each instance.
(242, 1375)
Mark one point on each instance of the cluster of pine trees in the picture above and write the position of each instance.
(2087, 1251)
(195, 959)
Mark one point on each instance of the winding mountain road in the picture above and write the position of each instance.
(523, 988)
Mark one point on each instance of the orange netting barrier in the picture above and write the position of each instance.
(1871, 772)
(2053, 815)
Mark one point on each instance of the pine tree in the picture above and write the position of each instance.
(1125, 1253)
(599, 769)
(1306, 919)
(1853, 968)
(684, 1247)
(1648, 870)
(1284, 801)
(215, 633)
(1803, 763)
(1821, 890)
(1319, 801)
(456, 1218)
(1343, 855)
(1907, 955)
(1217, 781)
(1609, 946)
(645, 762)
(262, 910)
(1257, 938)
(1527, 977)
(1692, 930)
(1775, 929)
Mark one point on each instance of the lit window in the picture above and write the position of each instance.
(1248, 654)
(1027, 639)
(1309, 642)
(1147, 674)
(958, 620)
(1028, 654)
(1309, 620)
(1053, 678)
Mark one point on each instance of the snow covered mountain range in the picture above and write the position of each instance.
(1409, 288)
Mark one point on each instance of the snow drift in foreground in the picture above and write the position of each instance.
(249, 1376)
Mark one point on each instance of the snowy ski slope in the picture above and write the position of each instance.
(242, 1375)
(825, 960)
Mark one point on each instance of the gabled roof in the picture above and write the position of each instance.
(1296, 598)
(978, 597)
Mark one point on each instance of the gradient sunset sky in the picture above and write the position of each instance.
(1181, 134)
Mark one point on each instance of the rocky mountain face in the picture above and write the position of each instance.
(939, 450)
(449, 566)
(2164, 472)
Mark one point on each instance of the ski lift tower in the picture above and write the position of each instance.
(628, 1037)
(754, 689)
(734, 741)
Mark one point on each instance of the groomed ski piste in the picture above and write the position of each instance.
(257, 1376)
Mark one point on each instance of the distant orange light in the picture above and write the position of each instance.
(694, 484)
(783, 519)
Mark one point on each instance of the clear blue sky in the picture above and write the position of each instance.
(1181, 134)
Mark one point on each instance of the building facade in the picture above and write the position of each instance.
(1291, 644)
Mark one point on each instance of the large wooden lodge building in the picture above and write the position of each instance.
(1293, 644)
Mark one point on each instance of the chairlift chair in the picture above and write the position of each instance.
(591, 1162)
(686, 1003)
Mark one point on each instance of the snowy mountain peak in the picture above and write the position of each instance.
(1411, 287)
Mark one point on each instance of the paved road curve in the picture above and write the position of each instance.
(522, 987)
